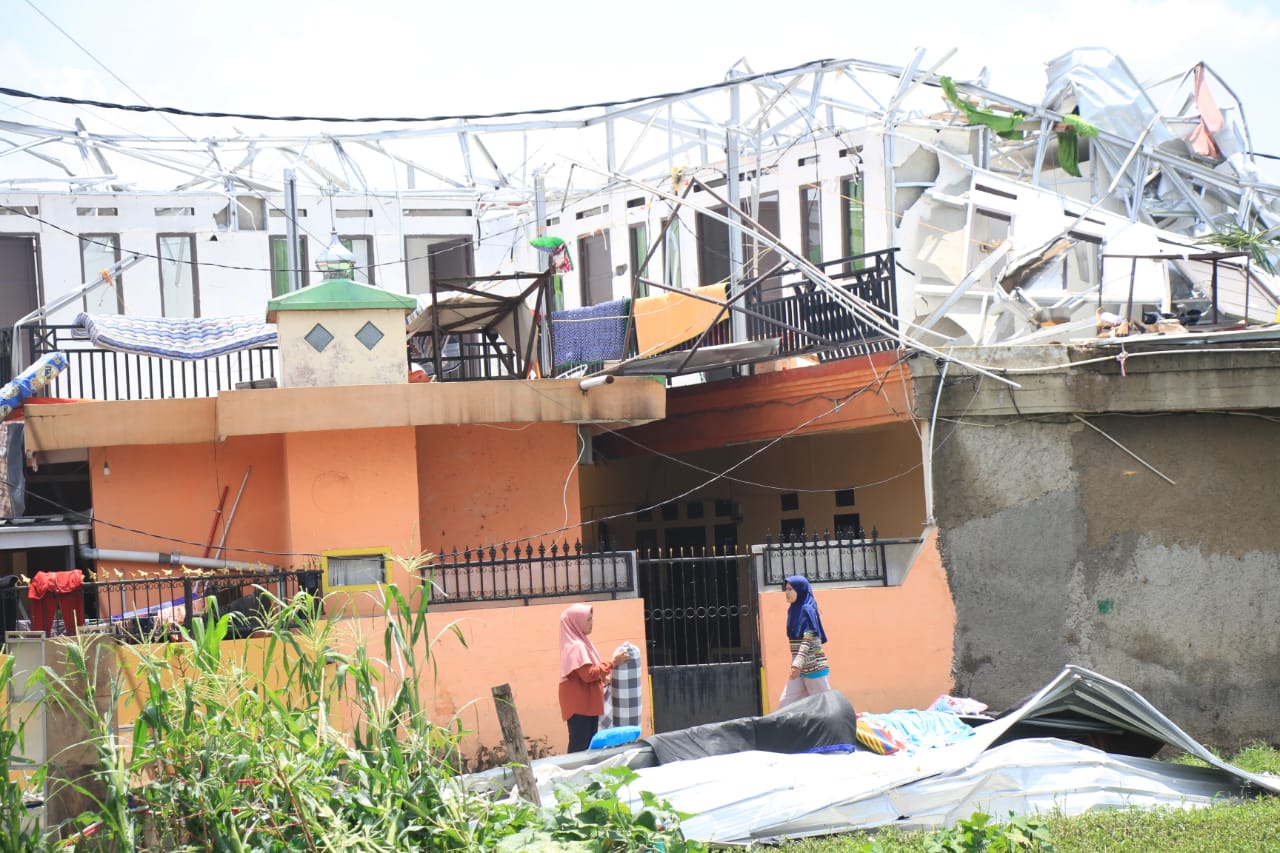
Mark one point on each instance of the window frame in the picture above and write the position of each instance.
(811, 223)
(416, 262)
(303, 260)
(117, 285)
(327, 587)
(714, 237)
(362, 274)
(191, 263)
(853, 198)
(587, 275)
(671, 266)
(637, 249)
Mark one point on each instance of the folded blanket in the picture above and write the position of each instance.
(185, 338)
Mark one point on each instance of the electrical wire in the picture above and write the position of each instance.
(147, 108)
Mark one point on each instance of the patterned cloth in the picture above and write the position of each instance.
(29, 381)
(877, 737)
(807, 656)
(186, 338)
(622, 706)
(13, 481)
(913, 730)
(591, 334)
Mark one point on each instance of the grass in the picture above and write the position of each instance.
(1252, 826)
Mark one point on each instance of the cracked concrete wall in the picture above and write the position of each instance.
(1060, 547)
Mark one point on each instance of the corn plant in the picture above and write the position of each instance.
(225, 759)
(17, 832)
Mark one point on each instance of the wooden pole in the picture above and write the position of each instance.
(514, 739)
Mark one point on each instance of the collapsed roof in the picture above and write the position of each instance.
(1102, 159)
(1082, 742)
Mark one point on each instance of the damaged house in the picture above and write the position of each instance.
(999, 377)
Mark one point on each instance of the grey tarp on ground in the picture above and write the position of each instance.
(738, 798)
(823, 720)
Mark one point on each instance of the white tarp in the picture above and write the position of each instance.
(754, 796)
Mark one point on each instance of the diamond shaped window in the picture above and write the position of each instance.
(319, 337)
(369, 335)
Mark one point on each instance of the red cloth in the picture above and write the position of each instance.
(55, 582)
(50, 592)
(583, 691)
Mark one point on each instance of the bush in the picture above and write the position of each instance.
(221, 760)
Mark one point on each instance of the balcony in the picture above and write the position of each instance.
(473, 336)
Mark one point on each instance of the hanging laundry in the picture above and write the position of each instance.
(13, 490)
(51, 592)
(1211, 121)
(589, 335)
(558, 250)
(669, 319)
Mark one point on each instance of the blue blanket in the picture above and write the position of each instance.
(186, 338)
(591, 334)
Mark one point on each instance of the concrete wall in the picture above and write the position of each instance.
(889, 647)
(345, 361)
(512, 645)
(1060, 547)
(233, 276)
(813, 467)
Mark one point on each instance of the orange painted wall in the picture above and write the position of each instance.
(519, 646)
(872, 391)
(889, 647)
(173, 490)
(482, 485)
(351, 490)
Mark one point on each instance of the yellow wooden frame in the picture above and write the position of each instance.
(385, 553)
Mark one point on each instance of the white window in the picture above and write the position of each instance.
(98, 252)
(178, 295)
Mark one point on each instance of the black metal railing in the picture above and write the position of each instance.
(846, 555)
(466, 357)
(508, 574)
(800, 304)
(150, 608)
(699, 608)
(99, 374)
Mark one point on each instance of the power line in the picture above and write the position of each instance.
(148, 108)
(103, 66)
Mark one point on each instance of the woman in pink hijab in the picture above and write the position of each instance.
(583, 676)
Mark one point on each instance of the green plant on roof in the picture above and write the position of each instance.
(1257, 244)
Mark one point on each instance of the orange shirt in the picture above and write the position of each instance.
(583, 691)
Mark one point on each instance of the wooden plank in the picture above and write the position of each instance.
(514, 739)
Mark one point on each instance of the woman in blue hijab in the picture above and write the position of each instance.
(809, 668)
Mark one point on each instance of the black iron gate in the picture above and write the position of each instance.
(701, 630)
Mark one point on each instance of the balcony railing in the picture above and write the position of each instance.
(98, 374)
(775, 309)
(846, 555)
(515, 574)
(151, 608)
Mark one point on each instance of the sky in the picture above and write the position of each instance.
(430, 58)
